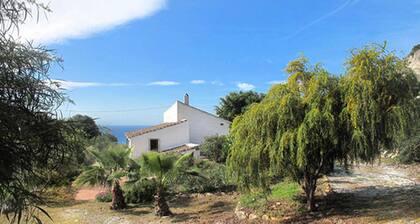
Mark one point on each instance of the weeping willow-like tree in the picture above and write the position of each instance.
(314, 119)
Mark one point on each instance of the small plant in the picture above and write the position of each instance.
(105, 196)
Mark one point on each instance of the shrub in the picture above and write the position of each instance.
(105, 196)
(212, 179)
(139, 191)
(215, 148)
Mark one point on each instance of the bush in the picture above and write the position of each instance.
(105, 196)
(139, 191)
(215, 148)
(213, 178)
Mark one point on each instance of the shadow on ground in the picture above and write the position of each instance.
(385, 204)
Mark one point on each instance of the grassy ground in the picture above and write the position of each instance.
(283, 200)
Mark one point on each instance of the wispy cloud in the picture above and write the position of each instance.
(163, 83)
(273, 82)
(245, 86)
(80, 18)
(323, 17)
(217, 83)
(69, 85)
(198, 81)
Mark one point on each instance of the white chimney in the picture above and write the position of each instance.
(187, 99)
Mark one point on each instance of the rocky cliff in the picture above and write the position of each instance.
(414, 60)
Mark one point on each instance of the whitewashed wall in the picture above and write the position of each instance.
(170, 115)
(169, 137)
(201, 123)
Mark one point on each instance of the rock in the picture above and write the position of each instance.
(265, 217)
(241, 215)
(252, 216)
(414, 60)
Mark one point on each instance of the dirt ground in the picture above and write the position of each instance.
(203, 208)
(366, 194)
(370, 194)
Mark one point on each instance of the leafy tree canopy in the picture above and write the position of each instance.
(316, 118)
(86, 124)
(236, 103)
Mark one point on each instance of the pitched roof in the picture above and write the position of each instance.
(203, 111)
(143, 131)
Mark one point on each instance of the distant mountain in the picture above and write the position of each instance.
(414, 60)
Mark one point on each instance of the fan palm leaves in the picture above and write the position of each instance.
(164, 169)
(109, 167)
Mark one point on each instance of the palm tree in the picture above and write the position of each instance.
(109, 167)
(163, 169)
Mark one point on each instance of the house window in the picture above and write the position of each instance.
(154, 144)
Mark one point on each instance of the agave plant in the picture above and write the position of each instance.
(109, 167)
(164, 169)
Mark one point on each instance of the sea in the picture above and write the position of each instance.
(119, 130)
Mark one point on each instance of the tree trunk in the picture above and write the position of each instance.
(310, 187)
(118, 201)
(161, 206)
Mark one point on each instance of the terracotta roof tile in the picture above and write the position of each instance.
(143, 131)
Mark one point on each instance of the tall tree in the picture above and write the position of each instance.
(86, 124)
(301, 126)
(34, 142)
(236, 103)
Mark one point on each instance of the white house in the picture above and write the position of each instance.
(184, 128)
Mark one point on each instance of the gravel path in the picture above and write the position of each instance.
(370, 181)
(374, 194)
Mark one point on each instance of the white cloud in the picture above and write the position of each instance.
(273, 82)
(199, 81)
(245, 86)
(217, 83)
(80, 18)
(69, 85)
(163, 83)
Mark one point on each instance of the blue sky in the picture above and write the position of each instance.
(124, 64)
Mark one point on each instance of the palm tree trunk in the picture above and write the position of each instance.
(161, 206)
(118, 201)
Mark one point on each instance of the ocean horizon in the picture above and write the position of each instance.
(119, 130)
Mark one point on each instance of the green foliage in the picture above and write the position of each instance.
(285, 190)
(260, 200)
(139, 191)
(304, 125)
(379, 102)
(236, 103)
(110, 166)
(105, 196)
(215, 148)
(166, 168)
(409, 148)
(36, 145)
(215, 179)
(86, 124)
